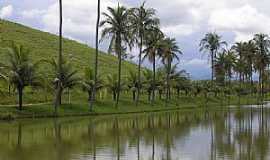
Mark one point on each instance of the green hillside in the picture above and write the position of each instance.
(44, 45)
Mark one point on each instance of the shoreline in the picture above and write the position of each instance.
(12, 113)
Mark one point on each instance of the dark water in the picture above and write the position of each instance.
(192, 135)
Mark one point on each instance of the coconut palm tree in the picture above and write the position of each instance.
(178, 78)
(220, 71)
(132, 83)
(229, 64)
(262, 57)
(240, 48)
(20, 70)
(90, 83)
(96, 58)
(112, 84)
(153, 48)
(60, 57)
(169, 54)
(249, 55)
(148, 84)
(160, 81)
(142, 19)
(212, 43)
(65, 79)
(117, 27)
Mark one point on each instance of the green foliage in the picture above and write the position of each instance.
(19, 68)
(67, 77)
(88, 82)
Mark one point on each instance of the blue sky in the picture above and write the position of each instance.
(185, 20)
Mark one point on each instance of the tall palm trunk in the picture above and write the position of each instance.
(212, 66)
(20, 94)
(167, 82)
(139, 71)
(119, 51)
(96, 58)
(251, 76)
(58, 90)
(154, 80)
(261, 82)
(134, 96)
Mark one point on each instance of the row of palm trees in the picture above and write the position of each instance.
(129, 28)
(126, 29)
(137, 27)
(20, 71)
(242, 59)
(129, 84)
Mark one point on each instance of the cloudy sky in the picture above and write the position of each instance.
(185, 20)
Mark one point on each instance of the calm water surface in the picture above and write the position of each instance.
(202, 135)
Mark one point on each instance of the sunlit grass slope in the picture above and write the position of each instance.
(44, 45)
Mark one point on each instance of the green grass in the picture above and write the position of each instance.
(44, 45)
(80, 107)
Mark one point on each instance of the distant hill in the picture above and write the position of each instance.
(44, 45)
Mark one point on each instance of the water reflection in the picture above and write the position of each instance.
(241, 134)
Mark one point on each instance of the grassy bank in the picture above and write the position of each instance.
(106, 106)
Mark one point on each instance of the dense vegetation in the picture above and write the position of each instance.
(32, 63)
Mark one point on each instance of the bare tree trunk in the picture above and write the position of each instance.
(58, 90)
(212, 65)
(134, 96)
(154, 80)
(9, 89)
(57, 101)
(96, 58)
(20, 94)
(139, 71)
(119, 49)
(114, 96)
(167, 81)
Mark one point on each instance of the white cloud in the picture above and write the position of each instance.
(79, 18)
(244, 21)
(185, 20)
(31, 14)
(179, 30)
(6, 11)
(196, 62)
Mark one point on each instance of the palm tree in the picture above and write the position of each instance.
(220, 71)
(117, 27)
(142, 19)
(249, 55)
(65, 79)
(212, 43)
(58, 89)
(160, 81)
(148, 84)
(90, 83)
(240, 49)
(20, 70)
(132, 83)
(153, 43)
(178, 78)
(262, 58)
(96, 58)
(112, 85)
(229, 64)
(169, 53)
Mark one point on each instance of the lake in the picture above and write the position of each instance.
(225, 134)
